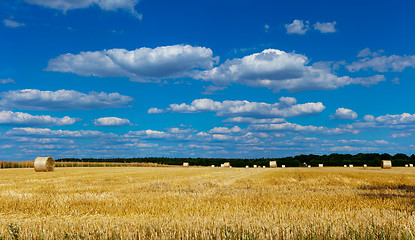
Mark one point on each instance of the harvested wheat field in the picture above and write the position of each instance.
(208, 203)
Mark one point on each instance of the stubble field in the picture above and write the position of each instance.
(207, 203)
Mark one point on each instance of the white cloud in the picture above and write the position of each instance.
(12, 24)
(293, 127)
(376, 62)
(142, 65)
(266, 27)
(398, 121)
(235, 129)
(7, 80)
(61, 100)
(279, 70)
(401, 135)
(287, 107)
(149, 134)
(297, 27)
(107, 5)
(24, 119)
(344, 114)
(251, 120)
(328, 27)
(111, 122)
(46, 132)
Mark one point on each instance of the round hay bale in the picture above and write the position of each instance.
(246, 166)
(411, 165)
(309, 166)
(365, 165)
(185, 164)
(345, 165)
(283, 166)
(44, 164)
(212, 166)
(272, 164)
(350, 165)
(406, 165)
(386, 164)
(227, 164)
(320, 165)
(255, 166)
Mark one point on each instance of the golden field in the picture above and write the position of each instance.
(207, 203)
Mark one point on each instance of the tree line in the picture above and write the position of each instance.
(334, 159)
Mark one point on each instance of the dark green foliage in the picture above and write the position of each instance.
(334, 159)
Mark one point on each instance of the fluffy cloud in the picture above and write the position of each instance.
(61, 100)
(344, 114)
(376, 62)
(46, 132)
(7, 80)
(24, 119)
(12, 24)
(297, 27)
(293, 127)
(251, 120)
(111, 122)
(401, 135)
(287, 107)
(235, 129)
(327, 27)
(107, 5)
(143, 64)
(398, 121)
(278, 70)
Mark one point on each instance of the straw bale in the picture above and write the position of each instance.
(386, 164)
(246, 166)
(411, 165)
(365, 165)
(320, 165)
(283, 166)
(345, 165)
(212, 166)
(185, 164)
(255, 166)
(272, 164)
(406, 165)
(309, 166)
(222, 165)
(44, 164)
(227, 164)
(350, 165)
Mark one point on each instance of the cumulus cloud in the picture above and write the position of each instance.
(278, 70)
(401, 135)
(287, 107)
(376, 62)
(107, 5)
(251, 120)
(7, 80)
(293, 127)
(344, 114)
(328, 27)
(142, 65)
(12, 24)
(24, 119)
(111, 122)
(61, 100)
(398, 121)
(235, 129)
(46, 132)
(297, 27)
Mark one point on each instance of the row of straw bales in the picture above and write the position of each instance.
(47, 164)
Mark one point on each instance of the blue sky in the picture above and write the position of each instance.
(127, 78)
